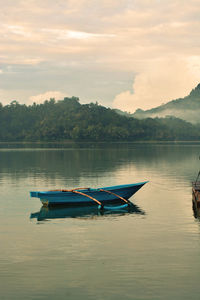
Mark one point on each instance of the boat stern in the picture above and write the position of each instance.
(34, 194)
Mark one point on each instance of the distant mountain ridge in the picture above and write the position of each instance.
(187, 108)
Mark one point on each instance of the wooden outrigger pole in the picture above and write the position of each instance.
(109, 192)
(101, 206)
(102, 190)
(83, 194)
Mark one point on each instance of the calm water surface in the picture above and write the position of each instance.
(151, 252)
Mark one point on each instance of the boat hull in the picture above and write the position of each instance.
(68, 197)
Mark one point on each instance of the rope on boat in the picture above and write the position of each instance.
(64, 190)
(128, 202)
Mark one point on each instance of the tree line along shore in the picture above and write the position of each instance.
(67, 119)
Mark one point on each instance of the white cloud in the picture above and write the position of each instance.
(46, 96)
(86, 35)
(78, 35)
(18, 30)
(159, 82)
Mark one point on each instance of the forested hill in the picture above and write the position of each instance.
(187, 108)
(69, 120)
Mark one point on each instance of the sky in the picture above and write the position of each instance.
(124, 54)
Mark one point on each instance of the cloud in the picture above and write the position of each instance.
(46, 96)
(18, 30)
(65, 40)
(159, 82)
(142, 30)
(70, 34)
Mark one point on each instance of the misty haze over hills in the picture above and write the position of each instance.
(187, 108)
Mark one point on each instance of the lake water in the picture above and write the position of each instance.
(151, 252)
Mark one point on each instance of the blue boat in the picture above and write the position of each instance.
(101, 196)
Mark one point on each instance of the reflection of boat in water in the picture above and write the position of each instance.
(89, 211)
(101, 196)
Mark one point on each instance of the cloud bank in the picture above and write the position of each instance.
(161, 81)
(131, 53)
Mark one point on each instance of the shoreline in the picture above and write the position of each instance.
(98, 142)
